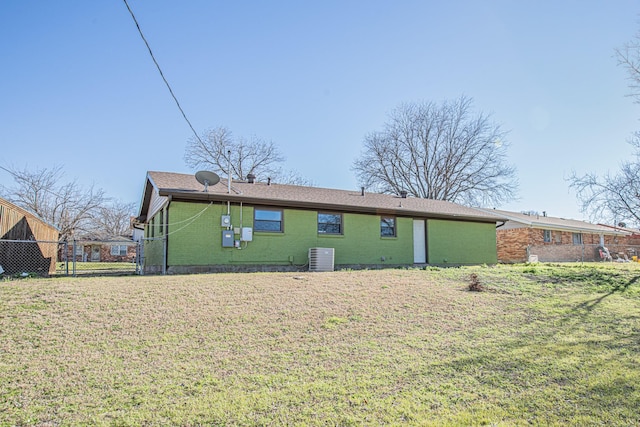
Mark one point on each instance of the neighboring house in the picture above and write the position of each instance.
(631, 240)
(527, 237)
(18, 254)
(254, 226)
(112, 249)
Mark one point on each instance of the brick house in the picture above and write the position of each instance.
(115, 249)
(528, 237)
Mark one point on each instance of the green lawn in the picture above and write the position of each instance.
(96, 268)
(540, 345)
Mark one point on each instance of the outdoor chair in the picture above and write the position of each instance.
(605, 255)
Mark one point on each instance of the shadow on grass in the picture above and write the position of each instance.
(618, 288)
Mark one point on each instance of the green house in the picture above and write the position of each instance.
(193, 226)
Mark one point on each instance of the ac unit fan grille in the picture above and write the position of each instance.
(321, 259)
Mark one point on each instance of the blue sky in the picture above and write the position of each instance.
(79, 89)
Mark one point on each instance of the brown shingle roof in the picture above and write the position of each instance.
(186, 187)
(549, 222)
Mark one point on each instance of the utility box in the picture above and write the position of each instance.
(227, 238)
(225, 221)
(247, 234)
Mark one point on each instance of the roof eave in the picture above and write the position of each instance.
(577, 229)
(237, 198)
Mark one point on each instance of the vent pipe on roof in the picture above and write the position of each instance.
(544, 213)
(403, 194)
(251, 178)
(362, 191)
(269, 181)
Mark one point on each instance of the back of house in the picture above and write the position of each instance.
(260, 226)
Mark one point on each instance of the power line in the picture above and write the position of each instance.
(160, 70)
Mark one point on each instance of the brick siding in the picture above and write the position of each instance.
(512, 244)
(516, 244)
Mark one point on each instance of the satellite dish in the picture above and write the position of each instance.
(207, 178)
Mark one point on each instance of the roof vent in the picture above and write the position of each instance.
(403, 194)
(251, 178)
(269, 181)
(362, 191)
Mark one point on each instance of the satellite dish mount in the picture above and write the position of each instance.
(207, 178)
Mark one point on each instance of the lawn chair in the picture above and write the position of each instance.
(605, 255)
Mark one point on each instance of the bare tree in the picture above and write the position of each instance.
(611, 198)
(217, 150)
(114, 219)
(615, 197)
(629, 57)
(442, 152)
(292, 177)
(65, 205)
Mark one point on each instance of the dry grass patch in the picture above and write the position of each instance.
(353, 347)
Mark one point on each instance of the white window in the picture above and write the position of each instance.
(547, 236)
(120, 250)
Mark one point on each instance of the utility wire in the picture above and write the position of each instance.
(160, 70)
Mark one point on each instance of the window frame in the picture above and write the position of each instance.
(119, 250)
(547, 236)
(258, 221)
(394, 228)
(577, 238)
(339, 224)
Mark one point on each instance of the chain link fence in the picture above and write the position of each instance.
(31, 258)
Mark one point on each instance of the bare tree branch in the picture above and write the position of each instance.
(629, 57)
(217, 150)
(114, 219)
(67, 206)
(439, 152)
(615, 198)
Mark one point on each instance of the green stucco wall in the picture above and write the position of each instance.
(459, 242)
(195, 239)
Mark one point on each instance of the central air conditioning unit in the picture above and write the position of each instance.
(320, 259)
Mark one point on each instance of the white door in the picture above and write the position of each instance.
(419, 242)
(95, 253)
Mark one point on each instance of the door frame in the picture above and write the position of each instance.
(419, 241)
